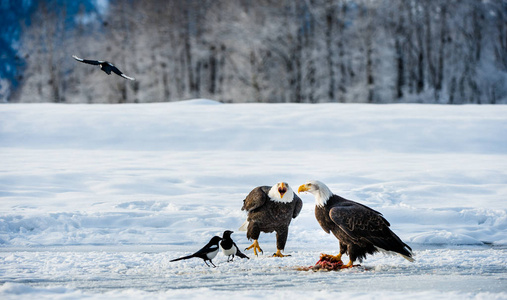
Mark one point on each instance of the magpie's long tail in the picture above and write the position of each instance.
(184, 257)
(240, 254)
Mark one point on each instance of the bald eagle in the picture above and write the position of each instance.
(270, 209)
(104, 66)
(359, 229)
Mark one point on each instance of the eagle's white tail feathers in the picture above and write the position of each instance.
(244, 227)
(410, 259)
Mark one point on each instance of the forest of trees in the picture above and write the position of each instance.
(302, 51)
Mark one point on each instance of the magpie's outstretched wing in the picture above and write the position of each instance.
(88, 61)
(117, 71)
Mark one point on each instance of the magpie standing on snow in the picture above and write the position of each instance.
(229, 248)
(104, 66)
(207, 252)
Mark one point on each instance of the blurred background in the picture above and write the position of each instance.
(301, 51)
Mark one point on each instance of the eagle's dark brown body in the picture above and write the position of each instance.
(359, 229)
(266, 215)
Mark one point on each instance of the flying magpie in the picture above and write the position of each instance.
(207, 252)
(104, 66)
(230, 248)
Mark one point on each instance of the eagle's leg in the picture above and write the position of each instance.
(343, 249)
(352, 255)
(281, 239)
(253, 232)
(255, 246)
(279, 253)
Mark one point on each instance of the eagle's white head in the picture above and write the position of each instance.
(281, 192)
(319, 190)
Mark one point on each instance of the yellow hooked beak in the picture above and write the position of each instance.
(302, 188)
(282, 189)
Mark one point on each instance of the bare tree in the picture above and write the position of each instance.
(43, 50)
(271, 51)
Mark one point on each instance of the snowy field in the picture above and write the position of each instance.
(97, 199)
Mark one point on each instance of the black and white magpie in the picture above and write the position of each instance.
(104, 66)
(230, 248)
(207, 253)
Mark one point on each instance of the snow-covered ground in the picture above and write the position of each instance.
(96, 199)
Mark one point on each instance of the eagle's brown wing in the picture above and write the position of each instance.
(297, 207)
(360, 222)
(363, 224)
(256, 198)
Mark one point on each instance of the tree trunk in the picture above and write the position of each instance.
(329, 57)
(400, 64)
(443, 38)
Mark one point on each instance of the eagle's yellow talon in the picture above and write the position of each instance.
(279, 254)
(348, 265)
(255, 247)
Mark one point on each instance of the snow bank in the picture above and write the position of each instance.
(197, 126)
(443, 237)
(152, 173)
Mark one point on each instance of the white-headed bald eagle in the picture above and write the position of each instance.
(359, 229)
(270, 209)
